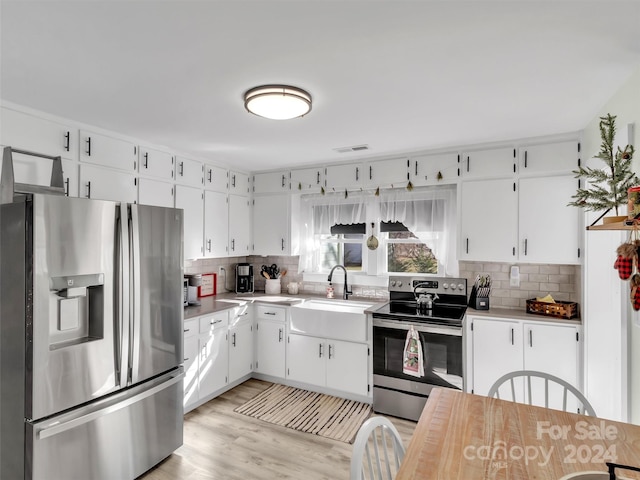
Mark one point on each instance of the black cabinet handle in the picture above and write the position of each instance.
(525, 159)
(233, 181)
(329, 351)
(88, 140)
(370, 172)
(512, 337)
(209, 245)
(468, 162)
(66, 186)
(233, 244)
(89, 189)
(525, 246)
(318, 178)
(282, 181)
(210, 175)
(279, 335)
(416, 168)
(467, 244)
(233, 339)
(146, 160)
(283, 244)
(319, 350)
(67, 141)
(531, 338)
(357, 174)
(182, 169)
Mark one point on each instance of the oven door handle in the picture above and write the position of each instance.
(419, 327)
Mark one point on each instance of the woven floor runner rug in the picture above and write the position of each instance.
(310, 412)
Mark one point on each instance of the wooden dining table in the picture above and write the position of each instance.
(473, 437)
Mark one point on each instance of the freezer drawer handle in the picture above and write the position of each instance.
(76, 422)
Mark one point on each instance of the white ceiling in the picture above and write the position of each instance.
(397, 75)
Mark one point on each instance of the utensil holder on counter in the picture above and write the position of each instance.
(272, 286)
(478, 302)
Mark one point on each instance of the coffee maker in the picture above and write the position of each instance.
(244, 278)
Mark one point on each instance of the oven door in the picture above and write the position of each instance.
(441, 353)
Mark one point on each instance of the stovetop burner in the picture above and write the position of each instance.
(449, 300)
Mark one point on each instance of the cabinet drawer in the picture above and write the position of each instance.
(239, 314)
(191, 328)
(213, 322)
(271, 313)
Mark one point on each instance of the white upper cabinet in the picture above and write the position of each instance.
(189, 172)
(239, 183)
(271, 182)
(489, 221)
(155, 192)
(107, 184)
(307, 180)
(108, 151)
(155, 163)
(386, 173)
(26, 132)
(341, 177)
(496, 162)
(216, 178)
(216, 224)
(435, 169)
(271, 225)
(548, 227)
(239, 225)
(191, 200)
(558, 157)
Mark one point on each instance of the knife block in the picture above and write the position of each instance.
(476, 302)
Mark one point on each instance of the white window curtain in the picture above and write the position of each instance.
(318, 213)
(430, 214)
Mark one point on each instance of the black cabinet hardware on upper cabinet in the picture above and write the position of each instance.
(283, 180)
(209, 245)
(531, 338)
(88, 141)
(89, 189)
(182, 169)
(525, 246)
(318, 177)
(67, 141)
(233, 180)
(525, 159)
(210, 174)
(468, 161)
(283, 244)
(416, 168)
(146, 160)
(467, 244)
(370, 172)
(66, 186)
(233, 339)
(512, 336)
(357, 174)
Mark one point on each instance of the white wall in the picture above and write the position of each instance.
(612, 329)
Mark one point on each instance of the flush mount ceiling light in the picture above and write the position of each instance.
(277, 102)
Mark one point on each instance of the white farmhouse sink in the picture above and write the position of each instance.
(341, 320)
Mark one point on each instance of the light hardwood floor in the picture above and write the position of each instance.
(220, 444)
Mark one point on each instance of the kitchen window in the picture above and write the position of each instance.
(404, 252)
(416, 231)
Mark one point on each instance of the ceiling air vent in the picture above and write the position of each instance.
(353, 148)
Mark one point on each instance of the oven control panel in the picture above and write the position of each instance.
(440, 285)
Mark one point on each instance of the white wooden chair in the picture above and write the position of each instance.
(377, 451)
(540, 389)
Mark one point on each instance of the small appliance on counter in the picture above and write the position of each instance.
(244, 278)
(195, 280)
(185, 292)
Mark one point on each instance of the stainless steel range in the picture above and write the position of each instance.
(435, 308)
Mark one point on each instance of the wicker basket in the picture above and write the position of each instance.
(559, 309)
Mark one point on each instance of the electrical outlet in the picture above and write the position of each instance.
(220, 270)
(514, 277)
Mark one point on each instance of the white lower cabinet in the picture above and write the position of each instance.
(240, 344)
(334, 364)
(270, 335)
(191, 363)
(500, 346)
(214, 353)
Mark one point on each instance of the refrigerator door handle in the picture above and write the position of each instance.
(122, 290)
(135, 292)
(76, 422)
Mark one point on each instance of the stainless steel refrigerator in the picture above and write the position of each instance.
(90, 335)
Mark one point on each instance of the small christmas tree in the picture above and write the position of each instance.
(606, 188)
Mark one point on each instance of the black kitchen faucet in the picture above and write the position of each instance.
(346, 292)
